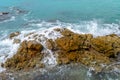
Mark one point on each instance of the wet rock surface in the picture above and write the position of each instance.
(14, 34)
(97, 52)
(108, 45)
(93, 52)
(28, 56)
(16, 41)
(75, 47)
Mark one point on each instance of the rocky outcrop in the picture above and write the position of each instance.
(72, 41)
(28, 56)
(70, 48)
(75, 47)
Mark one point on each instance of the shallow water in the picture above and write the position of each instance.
(66, 72)
(89, 13)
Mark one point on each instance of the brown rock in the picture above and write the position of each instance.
(87, 58)
(108, 45)
(14, 34)
(72, 41)
(83, 48)
(34, 45)
(27, 57)
(67, 32)
(71, 48)
(50, 44)
(29, 34)
(57, 29)
(16, 41)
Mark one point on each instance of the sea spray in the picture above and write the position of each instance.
(7, 50)
(94, 27)
(39, 36)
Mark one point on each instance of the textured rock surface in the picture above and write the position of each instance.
(79, 48)
(70, 48)
(72, 41)
(50, 44)
(108, 45)
(28, 56)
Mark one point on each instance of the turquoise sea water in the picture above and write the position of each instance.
(70, 11)
(99, 17)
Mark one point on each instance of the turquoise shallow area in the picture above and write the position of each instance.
(69, 10)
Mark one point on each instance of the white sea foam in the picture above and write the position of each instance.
(97, 28)
(8, 49)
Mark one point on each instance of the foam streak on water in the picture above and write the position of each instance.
(95, 27)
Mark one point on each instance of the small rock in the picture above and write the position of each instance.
(16, 41)
(50, 44)
(14, 34)
(3, 13)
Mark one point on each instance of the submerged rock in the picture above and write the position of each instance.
(16, 41)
